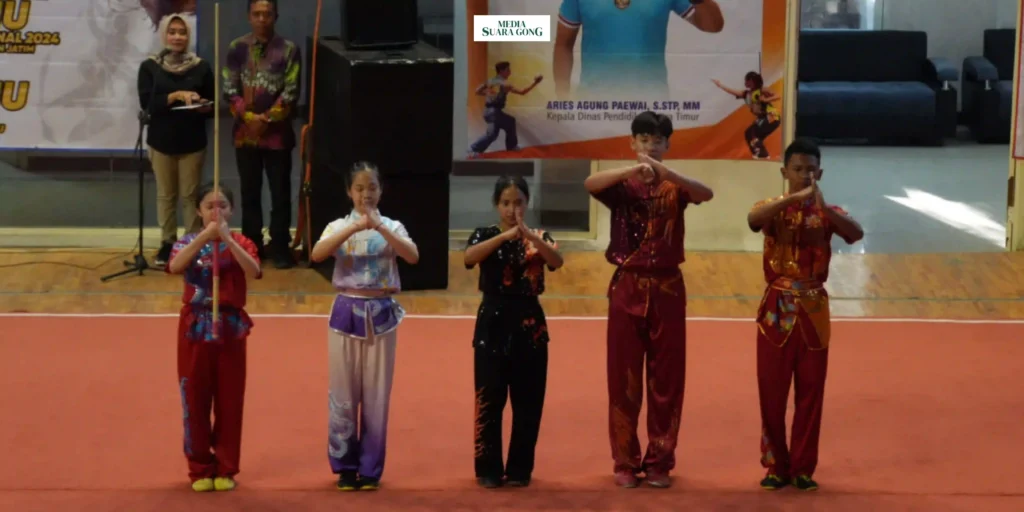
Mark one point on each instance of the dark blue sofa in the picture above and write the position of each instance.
(988, 87)
(877, 85)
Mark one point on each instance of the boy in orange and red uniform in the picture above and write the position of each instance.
(793, 319)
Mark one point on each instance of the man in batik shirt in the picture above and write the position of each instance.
(261, 83)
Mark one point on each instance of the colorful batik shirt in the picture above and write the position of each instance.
(263, 78)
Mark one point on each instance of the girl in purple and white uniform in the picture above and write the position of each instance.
(363, 329)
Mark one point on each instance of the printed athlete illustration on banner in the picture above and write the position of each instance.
(761, 103)
(496, 91)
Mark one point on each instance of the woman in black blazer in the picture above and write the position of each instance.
(176, 138)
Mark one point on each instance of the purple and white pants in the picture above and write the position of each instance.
(361, 345)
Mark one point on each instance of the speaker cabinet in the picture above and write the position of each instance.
(393, 109)
(375, 24)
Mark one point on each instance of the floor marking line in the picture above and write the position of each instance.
(550, 318)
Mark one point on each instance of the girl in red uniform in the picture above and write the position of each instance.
(211, 369)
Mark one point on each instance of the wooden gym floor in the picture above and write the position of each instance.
(983, 286)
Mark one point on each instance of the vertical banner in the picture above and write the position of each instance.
(1018, 119)
(565, 78)
(69, 70)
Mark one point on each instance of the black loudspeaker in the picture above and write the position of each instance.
(393, 109)
(370, 24)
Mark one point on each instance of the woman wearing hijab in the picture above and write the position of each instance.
(177, 141)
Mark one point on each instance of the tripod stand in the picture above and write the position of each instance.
(139, 263)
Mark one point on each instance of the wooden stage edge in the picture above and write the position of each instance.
(959, 286)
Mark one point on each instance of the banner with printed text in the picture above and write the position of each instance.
(714, 67)
(69, 70)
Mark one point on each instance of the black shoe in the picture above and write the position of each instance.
(488, 482)
(282, 257)
(517, 482)
(369, 484)
(163, 254)
(773, 483)
(805, 483)
(348, 481)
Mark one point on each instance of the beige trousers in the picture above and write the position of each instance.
(177, 177)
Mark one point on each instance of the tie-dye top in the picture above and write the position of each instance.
(263, 78)
(366, 261)
(198, 294)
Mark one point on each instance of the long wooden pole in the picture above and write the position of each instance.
(216, 167)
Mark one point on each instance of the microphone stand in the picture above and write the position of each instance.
(139, 263)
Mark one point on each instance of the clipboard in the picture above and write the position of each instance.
(193, 106)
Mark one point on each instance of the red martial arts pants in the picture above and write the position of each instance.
(776, 369)
(646, 324)
(211, 375)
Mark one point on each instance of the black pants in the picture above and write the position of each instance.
(756, 134)
(252, 163)
(521, 374)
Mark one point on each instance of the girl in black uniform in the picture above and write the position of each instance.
(511, 336)
(759, 101)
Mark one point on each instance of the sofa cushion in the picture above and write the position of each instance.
(832, 55)
(865, 98)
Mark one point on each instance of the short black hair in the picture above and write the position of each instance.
(755, 77)
(507, 181)
(501, 66)
(207, 189)
(359, 167)
(802, 147)
(271, 2)
(652, 123)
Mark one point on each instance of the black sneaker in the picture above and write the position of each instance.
(369, 484)
(163, 255)
(488, 482)
(805, 483)
(348, 481)
(773, 483)
(517, 482)
(282, 257)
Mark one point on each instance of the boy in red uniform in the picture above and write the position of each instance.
(211, 370)
(793, 319)
(647, 300)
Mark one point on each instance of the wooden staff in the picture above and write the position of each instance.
(216, 168)
(303, 231)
